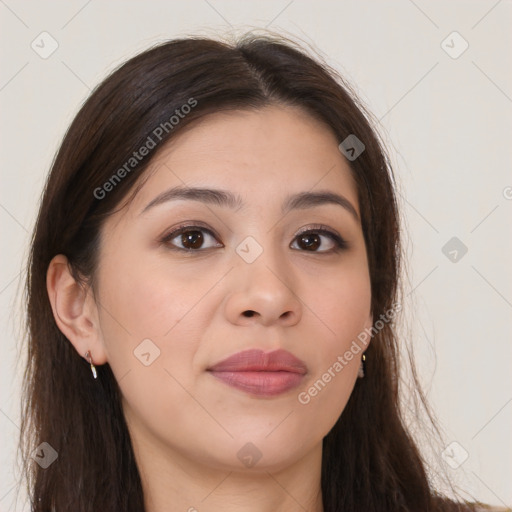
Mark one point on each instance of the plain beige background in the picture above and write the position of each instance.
(444, 105)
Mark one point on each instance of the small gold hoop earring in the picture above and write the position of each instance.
(362, 367)
(89, 360)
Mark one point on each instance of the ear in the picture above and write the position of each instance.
(74, 310)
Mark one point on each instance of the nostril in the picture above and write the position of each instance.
(249, 313)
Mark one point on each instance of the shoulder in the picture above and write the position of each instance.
(443, 504)
(486, 508)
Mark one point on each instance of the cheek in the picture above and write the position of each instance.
(141, 302)
(145, 300)
(150, 335)
(344, 307)
(344, 311)
(149, 300)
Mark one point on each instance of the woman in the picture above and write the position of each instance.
(212, 290)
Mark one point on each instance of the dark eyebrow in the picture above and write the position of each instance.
(300, 201)
(305, 200)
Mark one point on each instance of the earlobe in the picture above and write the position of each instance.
(74, 310)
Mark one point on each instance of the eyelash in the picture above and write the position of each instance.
(340, 243)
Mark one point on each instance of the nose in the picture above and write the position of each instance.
(263, 292)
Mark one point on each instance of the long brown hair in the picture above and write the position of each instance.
(370, 461)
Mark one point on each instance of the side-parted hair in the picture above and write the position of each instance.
(370, 462)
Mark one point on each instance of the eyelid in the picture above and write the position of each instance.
(318, 227)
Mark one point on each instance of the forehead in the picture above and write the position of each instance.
(262, 155)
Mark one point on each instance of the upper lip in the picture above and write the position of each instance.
(255, 360)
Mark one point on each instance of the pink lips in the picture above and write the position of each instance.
(261, 373)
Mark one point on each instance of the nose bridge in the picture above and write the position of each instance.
(263, 284)
(262, 258)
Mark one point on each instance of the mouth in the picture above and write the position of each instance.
(259, 373)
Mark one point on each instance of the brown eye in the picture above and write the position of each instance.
(310, 241)
(190, 238)
(313, 239)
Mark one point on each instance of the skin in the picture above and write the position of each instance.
(187, 427)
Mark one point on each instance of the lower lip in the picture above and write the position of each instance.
(260, 383)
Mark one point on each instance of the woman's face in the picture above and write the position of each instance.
(241, 277)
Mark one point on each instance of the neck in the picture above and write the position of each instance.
(172, 482)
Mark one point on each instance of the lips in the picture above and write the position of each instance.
(261, 373)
